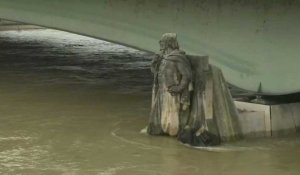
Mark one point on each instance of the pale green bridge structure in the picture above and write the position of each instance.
(252, 41)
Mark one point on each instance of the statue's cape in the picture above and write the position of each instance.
(180, 57)
(177, 55)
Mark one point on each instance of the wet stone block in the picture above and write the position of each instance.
(295, 108)
(193, 138)
(282, 119)
(253, 123)
(255, 119)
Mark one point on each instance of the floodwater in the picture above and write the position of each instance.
(72, 105)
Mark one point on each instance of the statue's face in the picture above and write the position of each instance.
(168, 43)
(163, 46)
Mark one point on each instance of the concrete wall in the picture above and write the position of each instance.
(268, 120)
(251, 41)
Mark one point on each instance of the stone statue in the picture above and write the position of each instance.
(171, 89)
(190, 98)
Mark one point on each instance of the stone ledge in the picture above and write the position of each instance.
(258, 120)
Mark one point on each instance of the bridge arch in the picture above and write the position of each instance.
(252, 41)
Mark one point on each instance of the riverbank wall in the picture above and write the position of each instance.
(260, 120)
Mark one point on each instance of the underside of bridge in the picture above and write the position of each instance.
(254, 42)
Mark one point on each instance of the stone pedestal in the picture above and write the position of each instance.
(211, 116)
(258, 120)
(219, 113)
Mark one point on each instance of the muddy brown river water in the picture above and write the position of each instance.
(72, 105)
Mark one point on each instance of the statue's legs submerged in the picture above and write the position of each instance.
(211, 117)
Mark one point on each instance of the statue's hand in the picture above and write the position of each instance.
(157, 58)
(174, 90)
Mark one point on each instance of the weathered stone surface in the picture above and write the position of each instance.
(268, 120)
(197, 115)
(213, 104)
(201, 116)
(190, 99)
(255, 119)
(295, 108)
(219, 112)
(205, 138)
(282, 119)
(285, 118)
(225, 113)
(253, 123)
(208, 97)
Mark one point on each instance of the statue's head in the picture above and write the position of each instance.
(168, 42)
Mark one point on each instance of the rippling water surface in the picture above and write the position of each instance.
(73, 105)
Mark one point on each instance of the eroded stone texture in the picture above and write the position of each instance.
(282, 119)
(190, 98)
(296, 115)
(225, 112)
(171, 89)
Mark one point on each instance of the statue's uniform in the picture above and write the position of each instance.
(168, 109)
